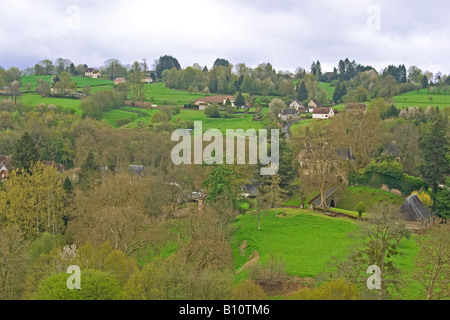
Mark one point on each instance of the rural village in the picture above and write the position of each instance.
(87, 180)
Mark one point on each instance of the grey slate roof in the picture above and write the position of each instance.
(414, 210)
(391, 151)
(137, 169)
(251, 188)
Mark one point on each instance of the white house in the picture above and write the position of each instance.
(313, 104)
(296, 105)
(322, 113)
(201, 105)
(92, 73)
(287, 114)
(119, 80)
(3, 173)
(148, 80)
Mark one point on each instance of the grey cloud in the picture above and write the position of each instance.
(286, 33)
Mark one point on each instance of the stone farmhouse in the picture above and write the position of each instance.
(92, 73)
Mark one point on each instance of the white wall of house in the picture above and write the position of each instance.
(323, 116)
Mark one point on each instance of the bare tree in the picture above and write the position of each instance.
(12, 262)
(320, 165)
(377, 242)
(433, 262)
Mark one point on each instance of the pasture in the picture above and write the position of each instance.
(307, 241)
(33, 99)
(328, 88)
(80, 81)
(158, 94)
(422, 99)
(371, 197)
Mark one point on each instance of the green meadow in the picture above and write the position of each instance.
(132, 113)
(371, 197)
(328, 88)
(158, 94)
(306, 242)
(422, 99)
(80, 81)
(238, 121)
(33, 99)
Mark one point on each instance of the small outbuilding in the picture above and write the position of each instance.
(415, 212)
(392, 152)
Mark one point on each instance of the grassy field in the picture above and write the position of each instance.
(134, 114)
(328, 88)
(81, 82)
(307, 241)
(369, 196)
(422, 99)
(238, 121)
(67, 104)
(158, 94)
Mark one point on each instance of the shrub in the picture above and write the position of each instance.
(388, 173)
(248, 290)
(360, 208)
(159, 117)
(176, 110)
(95, 285)
(123, 121)
(338, 289)
(100, 102)
(212, 111)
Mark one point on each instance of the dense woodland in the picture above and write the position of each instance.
(138, 236)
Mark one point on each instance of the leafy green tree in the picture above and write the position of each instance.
(221, 185)
(229, 107)
(276, 106)
(159, 117)
(34, 200)
(212, 111)
(360, 208)
(166, 62)
(25, 152)
(113, 68)
(248, 84)
(45, 244)
(95, 285)
(361, 94)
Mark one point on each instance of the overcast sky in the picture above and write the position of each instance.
(286, 33)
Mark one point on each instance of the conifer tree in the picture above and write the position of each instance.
(25, 153)
(302, 92)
